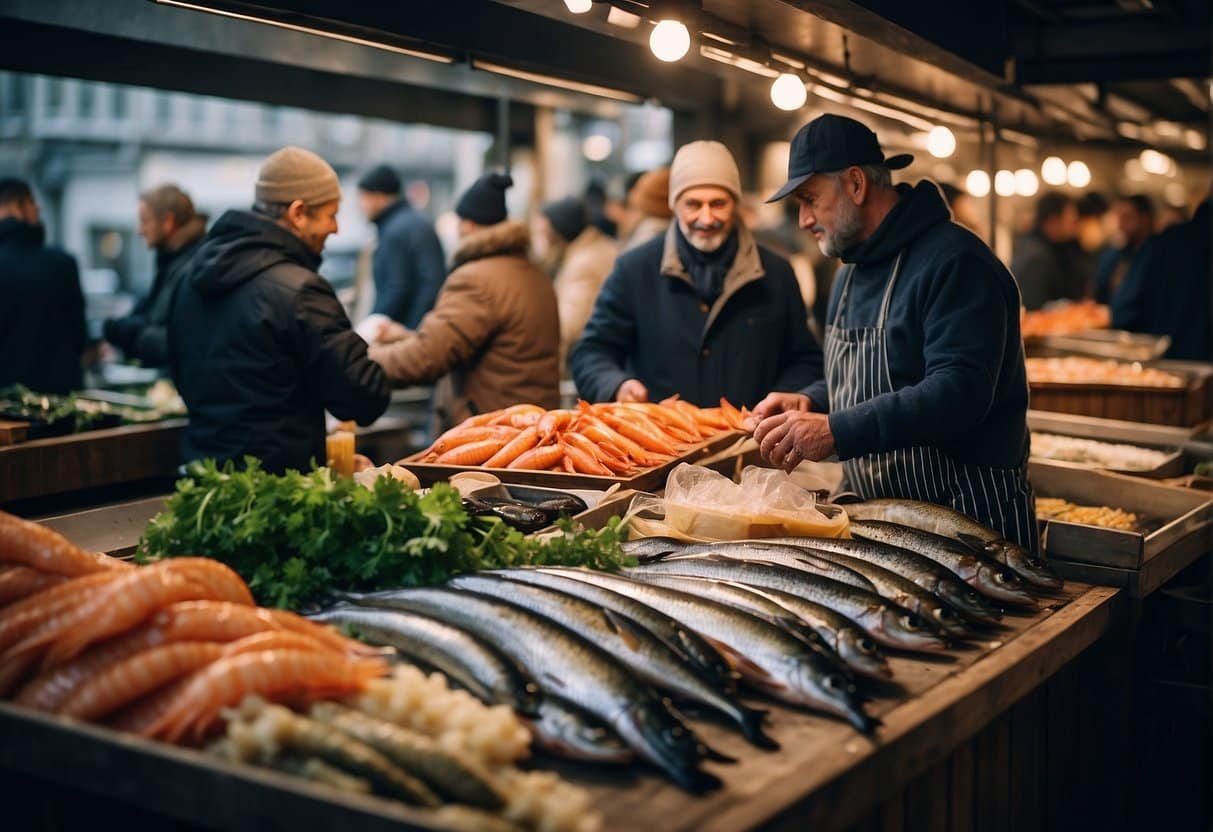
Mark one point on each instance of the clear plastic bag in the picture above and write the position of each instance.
(701, 503)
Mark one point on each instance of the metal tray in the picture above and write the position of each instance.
(1104, 343)
(1086, 427)
(1182, 512)
(646, 480)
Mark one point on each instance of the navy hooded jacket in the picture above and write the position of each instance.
(955, 352)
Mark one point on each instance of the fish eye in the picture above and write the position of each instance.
(944, 614)
(866, 645)
(1002, 577)
(835, 683)
(910, 623)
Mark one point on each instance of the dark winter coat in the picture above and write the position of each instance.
(259, 348)
(408, 265)
(649, 323)
(1166, 292)
(42, 329)
(143, 334)
(952, 337)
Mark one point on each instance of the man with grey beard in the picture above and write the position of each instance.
(925, 393)
(703, 312)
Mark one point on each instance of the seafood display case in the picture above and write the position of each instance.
(1186, 403)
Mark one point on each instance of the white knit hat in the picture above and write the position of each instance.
(703, 163)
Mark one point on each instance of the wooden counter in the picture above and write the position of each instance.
(1014, 734)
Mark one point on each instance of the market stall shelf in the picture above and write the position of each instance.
(1184, 405)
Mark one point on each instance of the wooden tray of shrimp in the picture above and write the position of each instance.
(634, 444)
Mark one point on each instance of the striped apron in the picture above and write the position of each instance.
(857, 370)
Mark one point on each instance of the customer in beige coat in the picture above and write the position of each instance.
(648, 209)
(579, 256)
(493, 337)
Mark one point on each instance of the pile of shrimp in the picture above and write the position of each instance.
(159, 650)
(608, 440)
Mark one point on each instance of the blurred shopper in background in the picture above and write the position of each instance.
(258, 344)
(579, 257)
(1044, 260)
(648, 209)
(493, 337)
(1170, 215)
(408, 266)
(172, 228)
(1166, 291)
(602, 209)
(963, 209)
(1134, 219)
(42, 329)
(1091, 234)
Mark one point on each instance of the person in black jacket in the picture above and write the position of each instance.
(926, 394)
(259, 345)
(170, 226)
(42, 328)
(1166, 291)
(1046, 260)
(408, 265)
(702, 311)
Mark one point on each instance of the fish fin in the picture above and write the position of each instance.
(973, 542)
(652, 557)
(715, 756)
(750, 721)
(627, 629)
(695, 780)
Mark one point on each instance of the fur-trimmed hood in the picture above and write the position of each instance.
(504, 238)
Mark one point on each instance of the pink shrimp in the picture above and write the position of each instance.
(473, 453)
(226, 682)
(732, 415)
(121, 606)
(321, 632)
(19, 619)
(644, 435)
(218, 577)
(536, 459)
(462, 436)
(141, 714)
(515, 448)
(506, 416)
(218, 621)
(17, 582)
(584, 461)
(141, 673)
(32, 544)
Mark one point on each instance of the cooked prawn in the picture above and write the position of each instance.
(21, 618)
(17, 582)
(472, 453)
(645, 436)
(32, 544)
(524, 441)
(217, 621)
(584, 463)
(462, 436)
(226, 682)
(536, 459)
(321, 632)
(218, 577)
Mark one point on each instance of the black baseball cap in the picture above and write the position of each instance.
(829, 143)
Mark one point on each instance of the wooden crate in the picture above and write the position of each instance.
(649, 479)
(1177, 406)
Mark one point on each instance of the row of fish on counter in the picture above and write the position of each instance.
(589, 658)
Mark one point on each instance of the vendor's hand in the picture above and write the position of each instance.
(790, 438)
(632, 391)
(774, 404)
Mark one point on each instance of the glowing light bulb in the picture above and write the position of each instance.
(1004, 183)
(1026, 183)
(670, 40)
(1053, 171)
(977, 183)
(788, 92)
(1078, 174)
(941, 143)
(1154, 162)
(578, 6)
(597, 147)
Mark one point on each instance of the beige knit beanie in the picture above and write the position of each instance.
(703, 163)
(294, 173)
(651, 194)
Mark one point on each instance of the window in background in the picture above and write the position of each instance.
(86, 100)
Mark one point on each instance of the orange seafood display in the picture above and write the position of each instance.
(609, 439)
(160, 649)
(1065, 319)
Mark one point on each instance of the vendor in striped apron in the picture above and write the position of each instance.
(925, 395)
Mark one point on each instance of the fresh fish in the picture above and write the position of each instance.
(686, 642)
(887, 622)
(923, 571)
(481, 669)
(907, 593)
(651, 659)
(567, 731)
(570, 667)
(452, 775)
(768, 657)
(983, 573)
(793, 557)
(948, 522)
(845, 638)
